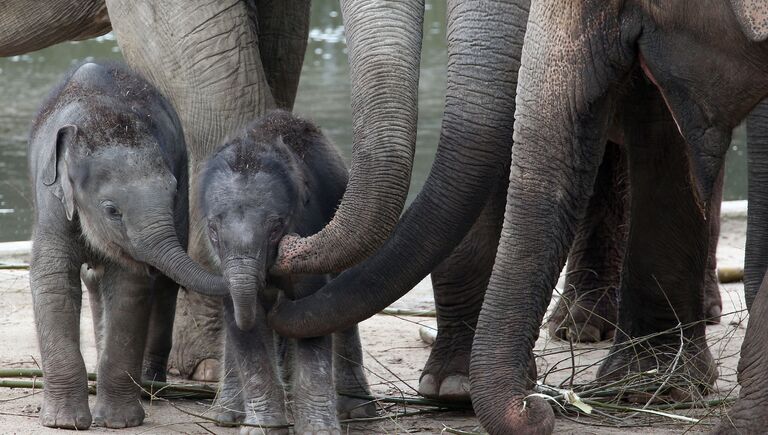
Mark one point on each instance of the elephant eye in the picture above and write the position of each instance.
(111, 211)
(213, 234)
(277, 230)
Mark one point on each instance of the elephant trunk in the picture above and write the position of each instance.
(756, 255)
(470, 164)
(246, 278)
(158, 245)
(384, 40)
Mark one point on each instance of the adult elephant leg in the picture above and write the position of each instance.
(159, 336)
(662, 283)
(713, 302)
(588, 307)
(756, 252)
(283, 26)
(459, 284)
(207, 63)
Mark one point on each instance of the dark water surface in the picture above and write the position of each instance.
(323, 96)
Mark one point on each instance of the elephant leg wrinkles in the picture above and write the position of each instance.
(251, 355)
(159, 336)
(349, 375)
(57, 299)
(587, 309)
(126, 295)
(459, 284)
(663, 277)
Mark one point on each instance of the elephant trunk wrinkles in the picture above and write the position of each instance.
(756, 255)
(159, 246)
(246, 278)
(384, 55)
(470, 163)
(551, 179)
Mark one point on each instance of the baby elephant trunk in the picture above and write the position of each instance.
(158, 245)
(247, 278)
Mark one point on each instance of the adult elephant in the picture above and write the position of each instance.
(224, 63)
(667, 255)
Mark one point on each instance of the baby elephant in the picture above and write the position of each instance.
(281, 175)
(109, 171)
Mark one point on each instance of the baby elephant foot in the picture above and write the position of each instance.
(352, 407)
(264, 426)
(65, 414)
(118, 416)
(231, 412)
(330, 427)
(446, 374)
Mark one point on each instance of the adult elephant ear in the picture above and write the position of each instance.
(384, 43)
(753, 18)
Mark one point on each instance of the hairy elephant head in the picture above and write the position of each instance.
(119, 167)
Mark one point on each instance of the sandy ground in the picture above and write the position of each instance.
(394, 358)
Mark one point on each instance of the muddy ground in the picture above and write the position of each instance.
(395, 355)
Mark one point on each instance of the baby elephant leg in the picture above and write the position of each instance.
(57, 298)
(314, 395)
(126, 295)
(252, 355)
(350, 376)
(230, 397)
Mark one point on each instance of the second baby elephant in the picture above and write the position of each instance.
(108, 165)
(279, 176)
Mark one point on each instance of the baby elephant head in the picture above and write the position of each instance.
(129, 196)
(251, 194)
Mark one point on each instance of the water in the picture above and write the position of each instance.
(323, 96)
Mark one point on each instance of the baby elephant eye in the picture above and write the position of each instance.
(111, 211)
(213, 233)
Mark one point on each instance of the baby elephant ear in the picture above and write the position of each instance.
(753, 18)
(64, 136)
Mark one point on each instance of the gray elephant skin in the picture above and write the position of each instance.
(666, 245)
(280, 175)
(222, 64)
(108, 165)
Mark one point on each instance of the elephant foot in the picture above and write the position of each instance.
(153, 371)
(264, 426)
(207, 371)
(351, 380)
(232, 411)
(661, 370)
(446, 374)
(586, 317)
(118, 415)
(325, 427)
(749, 414)
(66, 413)
(352, 407)
(713, 302)
(197, 337)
